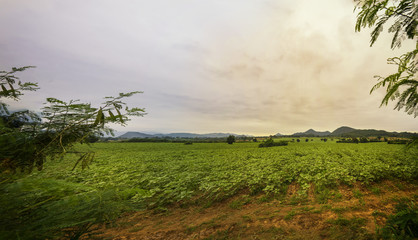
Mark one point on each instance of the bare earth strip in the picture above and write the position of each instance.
(346, 212)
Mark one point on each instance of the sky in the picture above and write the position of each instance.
(256, 67)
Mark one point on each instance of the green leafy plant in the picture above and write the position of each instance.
(402, 15)
(26, 138)
(403, 224)
(12, 87)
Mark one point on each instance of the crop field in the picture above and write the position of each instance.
(154, 184)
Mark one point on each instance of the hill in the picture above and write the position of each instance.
(345, 131)
(342, 130)
(135, 135)
(376, 133)
(311, 133)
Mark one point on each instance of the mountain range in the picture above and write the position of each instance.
(312, 133)
(339, 132)
(178, 135)
(352, 132)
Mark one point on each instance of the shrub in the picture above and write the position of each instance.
(230, 139)
(399, 141)
(271, 143)
(352, 140)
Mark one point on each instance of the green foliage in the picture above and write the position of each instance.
(399, 141)
(12, 88)
(403, 84)
(271, 143)
(378, 13)
(403, 224)
(230, 139)
(413, 143)
(348, 140)
(172, 172)
(27, 139)
(154, 175)
(50, 209)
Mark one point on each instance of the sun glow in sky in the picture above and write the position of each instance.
(241, 66)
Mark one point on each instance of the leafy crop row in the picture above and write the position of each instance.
(169, 172)
(148, 175)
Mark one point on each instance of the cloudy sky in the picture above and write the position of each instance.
(244, 66)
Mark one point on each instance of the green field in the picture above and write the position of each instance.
(127, 176)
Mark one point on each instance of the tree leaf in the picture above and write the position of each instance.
(99, 115)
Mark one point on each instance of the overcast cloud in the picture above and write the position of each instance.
(242, 66)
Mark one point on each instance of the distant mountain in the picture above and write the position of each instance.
(135, 135)
(339, 132)
(178, 135)
(195, 135)
(311, 133)
(342, 130)
(352, 132)
(375, 133)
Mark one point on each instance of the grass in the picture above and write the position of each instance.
(353, 228)
(239, 203)
(325, 194)
(357, 194)
(247, 218)
(136, 228)
(290, 215)
(340, 210)
(376, 190)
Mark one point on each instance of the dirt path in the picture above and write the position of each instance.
(345, 213)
